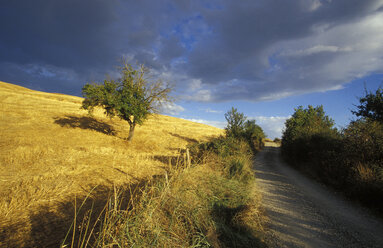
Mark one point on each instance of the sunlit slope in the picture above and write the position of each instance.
(51, 150)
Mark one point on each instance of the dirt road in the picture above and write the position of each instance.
(303, 213)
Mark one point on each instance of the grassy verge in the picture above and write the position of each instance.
(213, 203)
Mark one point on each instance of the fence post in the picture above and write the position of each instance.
(188, 157)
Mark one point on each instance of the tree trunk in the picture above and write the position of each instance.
(131, 131)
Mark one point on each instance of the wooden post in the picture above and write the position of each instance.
(185, 164)
(188, 157)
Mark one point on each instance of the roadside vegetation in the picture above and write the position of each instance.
(351, 159)
(211, 202)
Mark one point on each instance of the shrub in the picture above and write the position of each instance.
(253, 134)
(240, 128)
(306, 128)
(364, 141)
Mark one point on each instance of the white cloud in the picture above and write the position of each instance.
(195, 84)
(172, 109)
(343, 53)
(201, 96)
(271, 125)
(209, 110)
(315, 4)
(219, 124)
(315, 50)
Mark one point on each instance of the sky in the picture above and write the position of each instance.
(264, 57)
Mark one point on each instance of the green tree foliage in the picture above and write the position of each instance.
(371, 106)
(132, 97)
(253, 133)
(253, 130)
(238, 127)
(363, 141)
(302, 128)
(235, 123)
(305, 122)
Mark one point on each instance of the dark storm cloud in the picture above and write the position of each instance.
(244, 30)
(274, 49)
(171, 48)
(88, 37)
(63, 33)
(223, 50)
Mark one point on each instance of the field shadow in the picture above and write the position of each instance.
(49, 226)
(85, 122)
(189, 140)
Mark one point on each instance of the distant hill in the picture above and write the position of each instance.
(51, 150)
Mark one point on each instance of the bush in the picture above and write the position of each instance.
(363, 155)
(234, 156)
(253, 134)
(240, 128)
(305, 130)
(363, 140)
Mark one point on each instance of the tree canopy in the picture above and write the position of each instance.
(371, 106)
(235, 122)
(252, 130)
(238, 127)
(132, 97)
(305, 122)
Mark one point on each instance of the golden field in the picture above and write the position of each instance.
(52, 152)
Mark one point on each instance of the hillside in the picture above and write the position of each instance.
(51, 151)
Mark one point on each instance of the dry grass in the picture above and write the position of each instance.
(51, 151)
(204, 205)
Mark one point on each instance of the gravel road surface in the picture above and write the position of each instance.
(303, 213)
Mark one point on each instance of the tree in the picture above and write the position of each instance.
(235, 123)
(306, 122)
(305, 129)
(253, 134)
(132, 97)
(371, 106)
(253, 131)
